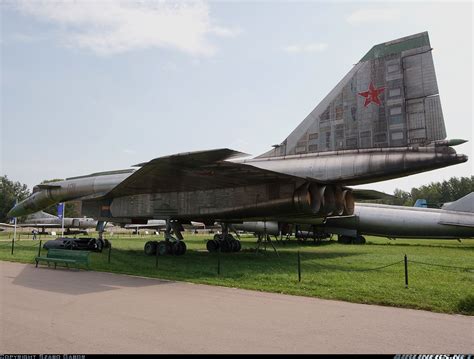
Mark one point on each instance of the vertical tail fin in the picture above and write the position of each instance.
(388, 99)
(421, 203)
(464, 204)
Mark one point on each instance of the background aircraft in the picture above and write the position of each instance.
(383, 120)
(160, 225)
(454, 220)
(45, 220)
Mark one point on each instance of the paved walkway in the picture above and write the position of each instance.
(69, 311)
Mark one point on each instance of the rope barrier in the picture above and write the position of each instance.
(359, 270)
(441, 265)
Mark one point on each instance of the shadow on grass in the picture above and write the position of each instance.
(75, 281)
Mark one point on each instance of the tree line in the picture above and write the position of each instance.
(435, 193)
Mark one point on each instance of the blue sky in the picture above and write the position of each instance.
(94, 86)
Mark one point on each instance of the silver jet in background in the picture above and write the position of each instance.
(454, 220)
(45, 220)
(383, 120)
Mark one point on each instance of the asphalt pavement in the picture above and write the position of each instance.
(74, 311)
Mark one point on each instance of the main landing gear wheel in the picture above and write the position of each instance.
(163, 248)
(358, 240)
(150, 248)
(178, 248)
(212, 245)
(344, 239)
(225, 243)
(99, 242)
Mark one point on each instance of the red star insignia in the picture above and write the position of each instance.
(372, 95)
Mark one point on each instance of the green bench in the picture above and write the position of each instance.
(65, 256)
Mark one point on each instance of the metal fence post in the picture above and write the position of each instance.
(39, 249)
(406, 271)
(110, 249)
(299, 267)
(13, 244)
(156, 257)
(219, 261)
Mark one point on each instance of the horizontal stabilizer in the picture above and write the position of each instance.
(370, 194)
(464, 204)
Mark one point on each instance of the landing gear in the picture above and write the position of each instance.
(100, 242)
(171, 245)
(224, 242)
(358, 240)
(150, 248)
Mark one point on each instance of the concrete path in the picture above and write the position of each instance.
(69, 311)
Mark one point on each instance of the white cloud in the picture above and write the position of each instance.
(306, 48)
(112, 26)
(363, 16)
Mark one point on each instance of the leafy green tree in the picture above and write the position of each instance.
(403, 198)
(437, 193)
(9, 192)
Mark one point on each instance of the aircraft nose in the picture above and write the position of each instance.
(13, 212)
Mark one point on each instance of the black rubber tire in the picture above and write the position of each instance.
(176, 248)
(162, 248)
(150, 248)
(238, 246)
(99, 244)
(344, 240)
(229, 237)
(182, 248)
(234, 246)
(226, 246)
(212, 246)
(359, 240)
(217, 237)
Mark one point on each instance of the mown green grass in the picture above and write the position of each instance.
(329, 270)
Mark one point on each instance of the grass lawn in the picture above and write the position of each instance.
(329, 270)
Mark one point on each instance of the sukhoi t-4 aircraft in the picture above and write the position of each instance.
(383, 120)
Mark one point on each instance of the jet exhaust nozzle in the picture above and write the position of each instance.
(349, 203)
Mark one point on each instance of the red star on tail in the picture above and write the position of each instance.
(372, 95)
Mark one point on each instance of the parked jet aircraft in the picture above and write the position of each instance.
(453, 221)
(45, 220)
(160, 225)
(383, 120)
